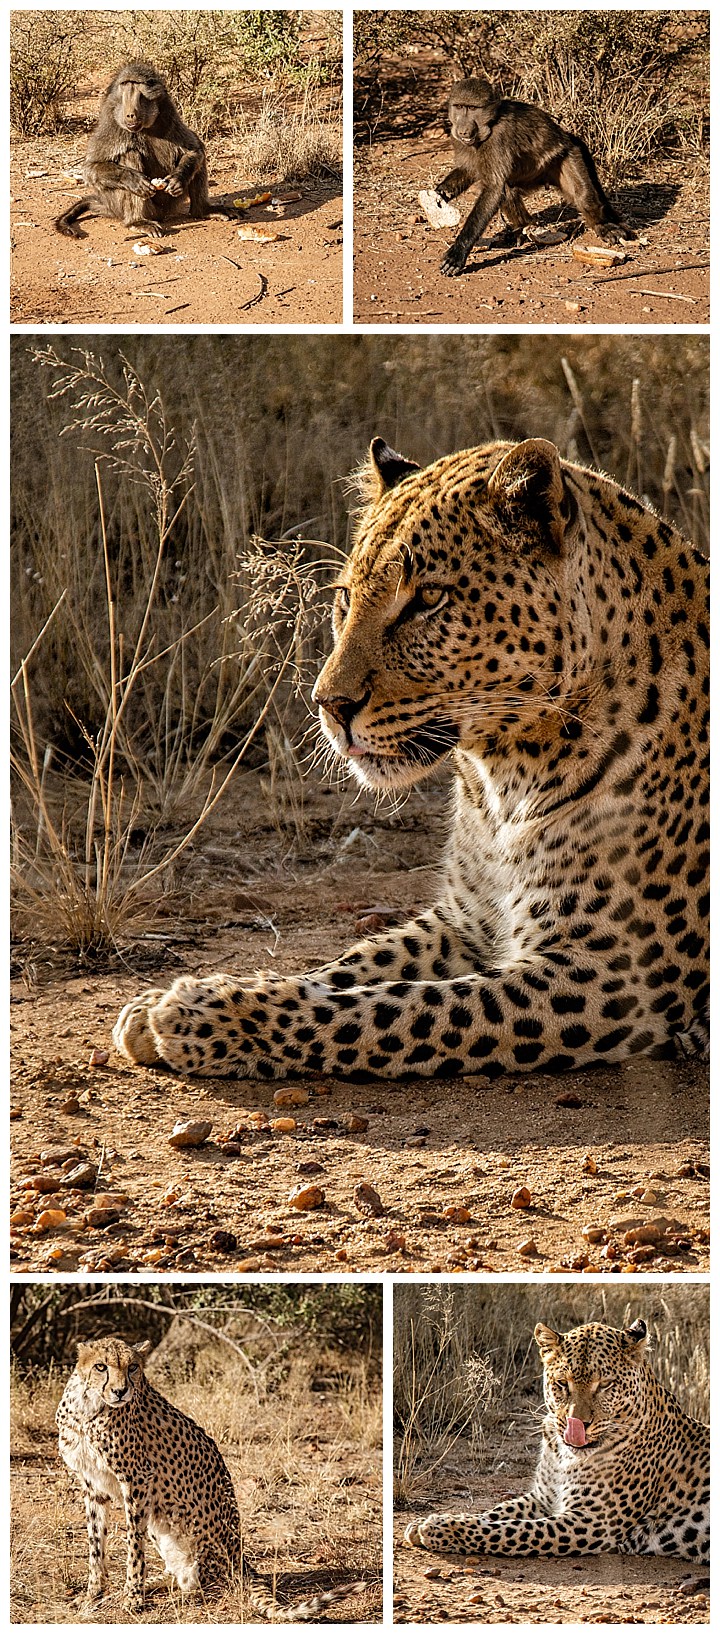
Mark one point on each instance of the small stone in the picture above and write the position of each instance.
(589, 1166)
(521, 1198)
(101, 1218)
(323, 1126)
(111, 1199)
(193, 1133)
(650, 1197)
(394, 1242)
(43, 1182)
(291, 1097)
(528, 1249)
(99, 1058)
(367, 1200)
(593, 1234)
(311, 1167)
(82, 1176)
(283, 1126)
(307, 1197)
(22, 1217)
(51, 1218)
(433, 1573)
(355, 1124)
(568, 1099)
(224, 1242)
(250, 1264)
(71, 1105)
(415, 1141)
(458, 1214)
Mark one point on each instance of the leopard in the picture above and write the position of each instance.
(120, 1438)
(621, 1466)
(540, 627)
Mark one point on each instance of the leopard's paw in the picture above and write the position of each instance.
(411, 1535)
(133, 1034)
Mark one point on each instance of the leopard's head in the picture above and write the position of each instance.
(459, 612)
(594, 1380)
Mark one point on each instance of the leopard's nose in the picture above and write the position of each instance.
(342, 709)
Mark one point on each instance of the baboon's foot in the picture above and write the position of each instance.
(614, 232)
(453, 261)
(133, 1034)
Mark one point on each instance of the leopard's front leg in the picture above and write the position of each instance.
(531, 1017)
(518, 1527)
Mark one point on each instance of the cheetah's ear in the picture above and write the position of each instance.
(387, 468)
(528, 483)
(144, 1348)
(636, 1337)
(82, 1352)
(546, 1340)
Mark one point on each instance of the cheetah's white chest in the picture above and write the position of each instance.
(87, 1461)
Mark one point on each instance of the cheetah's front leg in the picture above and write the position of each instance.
(136, 1515)
(518, 1527)
(96, 1514)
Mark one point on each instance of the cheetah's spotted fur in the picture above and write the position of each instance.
(639, 1484)
(122, 1439)
(550, 632)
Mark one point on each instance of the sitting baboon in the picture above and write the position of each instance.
(510, 148)
(141, 159)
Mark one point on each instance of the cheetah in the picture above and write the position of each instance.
(122, 1439)
(621, 1466)
(548, 631)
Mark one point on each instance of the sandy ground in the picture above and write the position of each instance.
(312, 1535)
(664, 279)
(205, 273)
(608, 1149)
(595, 1589)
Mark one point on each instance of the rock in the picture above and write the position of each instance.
(528, 1249)
(99, 1058)
(82, 1176)
(57, 1155)
(51, 1218)
(367, 1200)
(306, 1197)
(457, 1214)
(101, 1218)
(22, 1217)
(568, 1099)
(589, 1166)
(355, 1124)
(594, 1234)
(283, 1126)
(291, 1097)
(193, 1133)
(394, 1242)
(224, 1242)
(43, 1182)
(521, 1198)
(248, 1265)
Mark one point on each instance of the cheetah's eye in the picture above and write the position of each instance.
(134, 1368)
(99, 1367)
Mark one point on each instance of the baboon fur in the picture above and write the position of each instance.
(510, 148)
(140, 138)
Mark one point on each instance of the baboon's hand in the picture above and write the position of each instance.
(174, 187)
(453, 261)
(615, 232)
(138, 184)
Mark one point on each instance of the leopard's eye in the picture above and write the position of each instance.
(560, 1387)
(429, 597)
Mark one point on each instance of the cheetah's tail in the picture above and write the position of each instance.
(262, 1599)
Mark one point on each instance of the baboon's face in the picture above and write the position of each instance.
(470, 103)
(138, 103)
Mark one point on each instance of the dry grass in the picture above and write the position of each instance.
(306, 1468)
(465, 1363)
(157, 645)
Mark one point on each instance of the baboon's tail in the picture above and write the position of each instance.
(65, 223)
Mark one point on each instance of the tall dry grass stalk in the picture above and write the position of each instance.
(76, 871)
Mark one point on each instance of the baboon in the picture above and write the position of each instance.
(141, 159)
(510, 148)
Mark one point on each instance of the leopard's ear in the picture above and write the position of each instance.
(387, 467)
(635, 1337)
(527, 486)
(546, 1340)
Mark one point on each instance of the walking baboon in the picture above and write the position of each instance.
(510, 148)
(141, 159)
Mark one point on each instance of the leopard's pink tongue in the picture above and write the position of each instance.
(575, 1432)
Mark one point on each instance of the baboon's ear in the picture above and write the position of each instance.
(528, 482)
(546, 1340)
(388, 468)
(636, 1337)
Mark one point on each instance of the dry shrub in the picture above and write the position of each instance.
(43, 68)
(633, 84)
(292, 144)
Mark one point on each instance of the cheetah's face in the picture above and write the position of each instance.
(448, 618)
(593, 1381)
(110, 1370)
